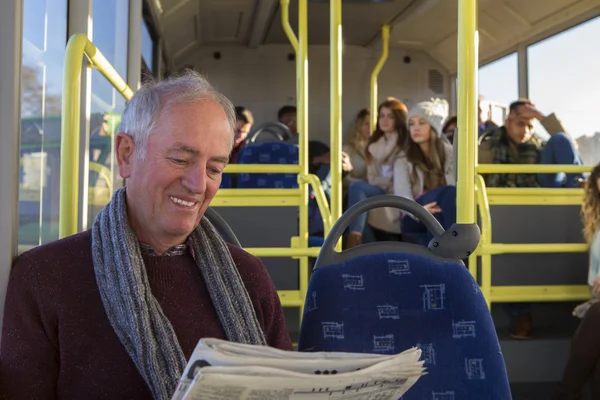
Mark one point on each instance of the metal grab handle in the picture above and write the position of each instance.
(455, 244)
(222, 227)
(280, 131)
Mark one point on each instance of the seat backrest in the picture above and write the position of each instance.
(225, 181)
(387, 297)
(268, 153)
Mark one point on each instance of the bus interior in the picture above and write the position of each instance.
(266, 54)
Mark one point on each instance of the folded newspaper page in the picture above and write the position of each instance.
(221, 370)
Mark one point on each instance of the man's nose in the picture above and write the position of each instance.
(195, 180)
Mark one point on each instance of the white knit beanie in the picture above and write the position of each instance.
(434, 112)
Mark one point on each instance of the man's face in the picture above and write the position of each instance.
(289, 120)
(241, 132)
(169, 191)
(518, 128)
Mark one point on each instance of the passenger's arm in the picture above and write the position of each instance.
(375, 178)
(29, 358)
(552, 124)
(402, 184)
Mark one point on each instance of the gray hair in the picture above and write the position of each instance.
(142, 111)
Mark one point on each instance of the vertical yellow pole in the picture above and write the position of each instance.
(385, 43)
(335, 80)
(69, 147)
(302, 116)
(468, 43)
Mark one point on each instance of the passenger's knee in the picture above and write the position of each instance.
(559, 139)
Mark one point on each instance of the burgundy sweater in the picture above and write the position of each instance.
(57, 342)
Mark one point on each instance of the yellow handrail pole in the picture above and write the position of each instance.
(385, 44)
(319, 193)
(285, 22)
(78, 46)
(69, 146)
(486, 239)
(468, 44)
(532, 168)
(103, 66)
(302, 116)
(335, 80)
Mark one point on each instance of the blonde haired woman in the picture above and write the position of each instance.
(356, 148)
(425, 170)
(583, 363)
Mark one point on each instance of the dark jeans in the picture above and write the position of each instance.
(445, 197)
(357, 192)
(560, 150)
(583, 362)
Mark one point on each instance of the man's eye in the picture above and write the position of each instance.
(178, 161)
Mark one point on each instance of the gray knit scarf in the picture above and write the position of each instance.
(134, 312)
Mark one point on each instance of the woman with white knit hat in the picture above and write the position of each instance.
(425, 170)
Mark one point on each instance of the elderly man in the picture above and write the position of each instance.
(115, 312)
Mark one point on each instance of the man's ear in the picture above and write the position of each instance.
(125, 151)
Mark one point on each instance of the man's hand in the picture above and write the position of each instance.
(346, 164)
(529, 111)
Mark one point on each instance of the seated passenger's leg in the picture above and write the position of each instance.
(560, 150)
(521, 326)
(445, 197)
(583, 358)
(357, 192)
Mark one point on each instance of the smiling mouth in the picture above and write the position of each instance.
(182, 202)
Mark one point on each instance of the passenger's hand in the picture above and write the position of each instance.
(529, 111)
(346, 164)
(432, 207)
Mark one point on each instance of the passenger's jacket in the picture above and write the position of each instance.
(380, 173)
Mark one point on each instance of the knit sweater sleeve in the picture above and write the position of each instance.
(402, 183)
(264, 298)
(29, 359)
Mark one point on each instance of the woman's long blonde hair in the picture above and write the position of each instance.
(590, 209)
(355, 139)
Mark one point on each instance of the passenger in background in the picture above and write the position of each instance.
(583, 362)
(287, 115)
(484, 117)
(515, 143)
(425, 170)
(383, 148)
(450, 127)
(357, 146)
(244, 122)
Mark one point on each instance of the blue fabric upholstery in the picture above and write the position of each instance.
(268, 153)
(387, 303)
(315, 241)
(225, 181)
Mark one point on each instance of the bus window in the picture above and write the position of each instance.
(44, 33)
(563, 79)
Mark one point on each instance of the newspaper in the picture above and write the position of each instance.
(221, 370)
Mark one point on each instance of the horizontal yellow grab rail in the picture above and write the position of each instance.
(263, 168)
(507, 294)
(503, 248)
(283, 251)
(257, 198)
(535, 196)
(531, 168)
(291, 298)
